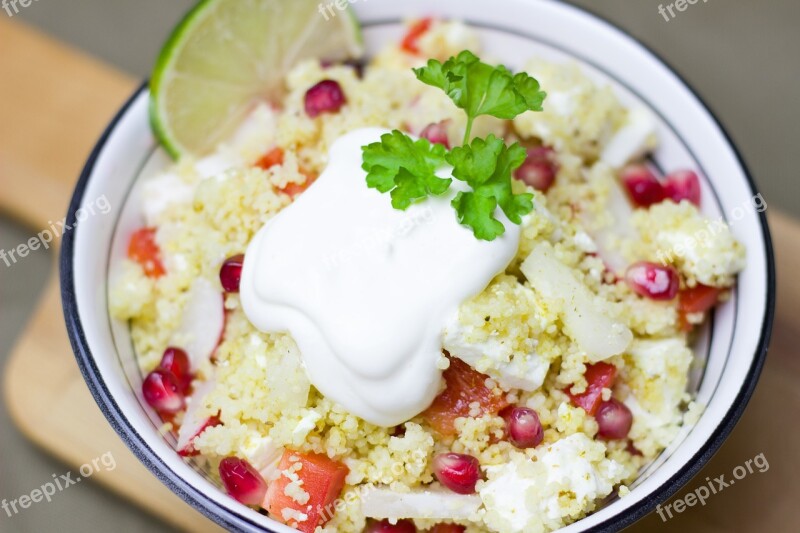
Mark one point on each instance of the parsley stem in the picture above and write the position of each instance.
(468, 133)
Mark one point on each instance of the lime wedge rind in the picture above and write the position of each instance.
(205, 79)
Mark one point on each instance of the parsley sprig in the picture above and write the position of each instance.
(487, 166)
(481, 89)
(407, 169)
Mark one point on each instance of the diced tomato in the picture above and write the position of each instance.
(448, 528)
(598, 376)
(323, 480)
(411, 40)
(465, 385)
(294, 189)
(144, 249)
(270, 159)
(698, 299)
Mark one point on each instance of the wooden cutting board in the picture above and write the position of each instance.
(55, 102)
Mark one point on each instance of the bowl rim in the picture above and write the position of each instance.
(232, 521)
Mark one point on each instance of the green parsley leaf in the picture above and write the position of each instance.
(405, 167)
(481, 89)
(487, 166)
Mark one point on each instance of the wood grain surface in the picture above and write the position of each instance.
(55, 102)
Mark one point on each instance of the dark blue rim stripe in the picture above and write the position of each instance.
(234, 522)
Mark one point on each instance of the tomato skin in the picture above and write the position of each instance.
(598, 376)
(295, 189)
(464, 386)
(274, 158)
(411, 40)
(270, 159)
(323, 479)
(144, 250)
(698, 299)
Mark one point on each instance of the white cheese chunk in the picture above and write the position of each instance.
(528, 495)
(526, 373)
(164, 191)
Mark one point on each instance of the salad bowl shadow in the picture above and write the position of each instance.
(731, 349)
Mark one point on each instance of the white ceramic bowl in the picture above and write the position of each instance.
(733, 346)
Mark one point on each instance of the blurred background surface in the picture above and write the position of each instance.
(740, 56)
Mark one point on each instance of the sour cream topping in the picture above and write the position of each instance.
(365, 289)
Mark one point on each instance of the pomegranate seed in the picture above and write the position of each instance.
(162, 392)
(176, 362)
(384, 526)
(437, 133)
(448, 528)
(614, 420)
(539, 169)
(242, 481)
(458, 472)
(653, 281)
(683, 185)
(325, 97)
(631, 449)
(230, 274)
(643, 186)
(523, 428)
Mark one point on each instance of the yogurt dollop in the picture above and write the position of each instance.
(364, 289)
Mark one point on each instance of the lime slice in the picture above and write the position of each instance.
(228, 54)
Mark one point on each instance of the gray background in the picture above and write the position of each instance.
(742, 57)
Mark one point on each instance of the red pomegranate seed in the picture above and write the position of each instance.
(631, 449)
(458, 472)
(437, 133)
(384, 526)
(643, 186)
(176, 362)
(653, 281)
(539, 169)
(523, 428)
(242, 481)
(162, 392)
(230, 274)
(448, 528)
(325, 97)
(683, 185)
(614, 420)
